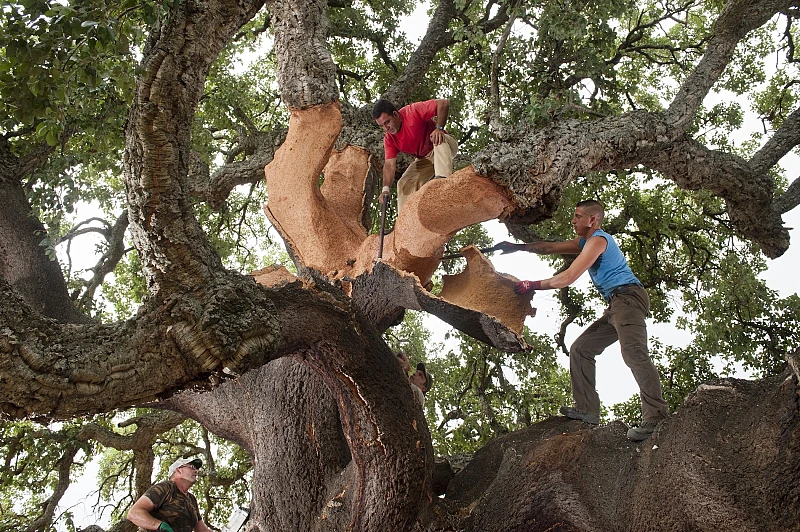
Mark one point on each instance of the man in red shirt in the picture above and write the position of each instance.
(414, 131)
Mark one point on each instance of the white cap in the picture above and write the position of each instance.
(182, 462)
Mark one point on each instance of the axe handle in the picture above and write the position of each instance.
(383, 224)
(484, 250)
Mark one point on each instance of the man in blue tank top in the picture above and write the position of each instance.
(623, 320)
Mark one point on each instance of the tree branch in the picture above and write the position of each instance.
(748, 194)
(535, 164)
(96, 368)
(216, 188)
(790, 198)
(24, 264)
(44, 521)
(738, 18)
(306, 72)
(436, 38)
(115, 239)
(494, 89)
(785, 139)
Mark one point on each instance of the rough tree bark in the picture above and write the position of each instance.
(365, 466)
(728, 460)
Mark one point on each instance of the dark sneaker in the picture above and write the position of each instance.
(574, 413)
(642, 432)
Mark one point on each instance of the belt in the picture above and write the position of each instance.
(621, 289)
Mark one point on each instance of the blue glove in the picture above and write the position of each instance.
(164, 527)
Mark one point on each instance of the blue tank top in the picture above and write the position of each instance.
(610, 270)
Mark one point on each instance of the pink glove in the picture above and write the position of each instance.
(523, 287)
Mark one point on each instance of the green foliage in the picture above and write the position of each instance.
(240, 232)
(32, 455)
(681, 371)
(778, 98)
(412, 337)
(741, 320)
(236, 102)
(359, 32)
(71, 56)
(750, 57)
(127, 291)
(480, 392)
(78, 64)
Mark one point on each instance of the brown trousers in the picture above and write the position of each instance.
(623, 320)
(438, 162)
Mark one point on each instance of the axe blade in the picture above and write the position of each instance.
(482, 250)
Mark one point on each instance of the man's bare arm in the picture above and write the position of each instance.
(442, 112)
(570, 247)
(594, 248)
(139, 514)
(389, 169)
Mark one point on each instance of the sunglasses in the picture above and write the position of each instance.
(191, 466)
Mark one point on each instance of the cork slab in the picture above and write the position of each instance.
(480, 287)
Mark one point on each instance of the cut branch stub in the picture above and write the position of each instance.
(385, 290)
(312, 228)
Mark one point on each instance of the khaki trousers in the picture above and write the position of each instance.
(623, 320)
(438, 162)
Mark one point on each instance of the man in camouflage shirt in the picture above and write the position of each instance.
(168, 506)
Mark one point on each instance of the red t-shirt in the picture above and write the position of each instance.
(414, 136)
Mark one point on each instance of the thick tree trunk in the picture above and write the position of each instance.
(23, 262)
(336, 438)
(729, 459)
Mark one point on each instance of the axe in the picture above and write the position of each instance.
(383, 224)
(484, 250)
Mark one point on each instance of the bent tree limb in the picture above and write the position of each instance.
(53, 370)
(570, 148)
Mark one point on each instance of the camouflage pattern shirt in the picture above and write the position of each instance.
(173, 506)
